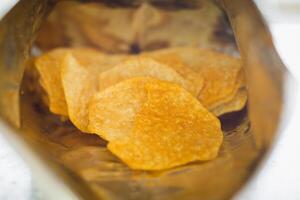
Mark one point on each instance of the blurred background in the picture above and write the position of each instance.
(280, 175)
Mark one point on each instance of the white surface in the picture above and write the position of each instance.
(280, 10)
(280, 177)
(5, 6)
(15, 179)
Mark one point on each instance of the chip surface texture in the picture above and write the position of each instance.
(113, 110)
(172, 128)
(141, 66)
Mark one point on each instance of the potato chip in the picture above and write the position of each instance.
(49, 68)
(113, 110)
(79, 86)
(218, 70)
(176, 63)
(95, 61)
(80, 83)
(236, 100)
(236, 104)
(219, 87)
(241, 79)
(140, 66)
(172, 128)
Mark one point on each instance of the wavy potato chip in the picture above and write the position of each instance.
(80, 83)
(141, 66)
(237, 103)
(219, 87)
(172, 128)
(234, 102)
(176, 63)
(218, 70)
(79, 86)
(113, 110)
(241, 79)
(49, 67)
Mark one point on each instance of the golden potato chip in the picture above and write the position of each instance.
(241, 79)
(49, 68)
(172, 128)
(236, 100)
(197, 59)
(219, 87)
(93, 60)
(113, 110)
(176, 63)
(80, 83)
(237, 103)
(140, 66)
(218, 70)
(79, 86)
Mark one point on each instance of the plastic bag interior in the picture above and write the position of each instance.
(42, 25)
